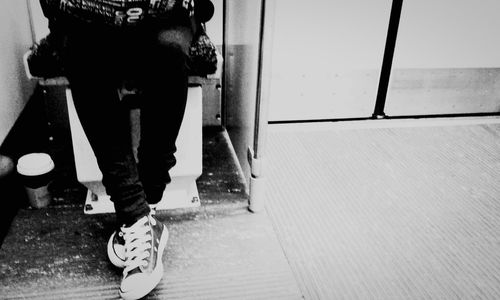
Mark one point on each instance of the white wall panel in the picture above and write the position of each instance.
(214, 26)
(448, 34)
(15, 40)
(327, 56)
(40, 23)
(446, 59)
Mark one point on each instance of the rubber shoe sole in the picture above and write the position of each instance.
(114, 258)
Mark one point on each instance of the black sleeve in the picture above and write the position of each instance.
(49, 8)
(203, 10)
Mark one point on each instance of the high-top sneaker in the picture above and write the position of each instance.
(145, 242)
(116, 244)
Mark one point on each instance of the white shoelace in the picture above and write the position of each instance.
(138, 244)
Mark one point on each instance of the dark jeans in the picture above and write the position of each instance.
(155, 57)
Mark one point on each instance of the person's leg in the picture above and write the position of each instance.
(91, 68)
(165, 89)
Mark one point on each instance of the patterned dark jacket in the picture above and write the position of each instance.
(46, 59)
(123, 13)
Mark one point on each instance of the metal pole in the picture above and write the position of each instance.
(225, 58)
(385, 72)
(257, 154)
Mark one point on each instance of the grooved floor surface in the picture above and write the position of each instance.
(409, 212)
(212, 256)
(218, 251)
(396, 212)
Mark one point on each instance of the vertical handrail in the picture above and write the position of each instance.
(264, 76)
(256, 155)
(385, 72)
(224, 59)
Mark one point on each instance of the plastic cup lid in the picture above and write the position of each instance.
(35, 164)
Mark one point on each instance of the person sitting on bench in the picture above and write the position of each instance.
(148, 43)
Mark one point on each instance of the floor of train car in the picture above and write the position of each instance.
(399, 209)
(217, 251)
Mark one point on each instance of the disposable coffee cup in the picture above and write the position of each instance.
(36, 171)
